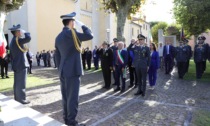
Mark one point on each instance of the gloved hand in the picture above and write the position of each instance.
(79, 23)
(22, 31)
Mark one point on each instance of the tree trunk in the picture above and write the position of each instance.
(121, 19)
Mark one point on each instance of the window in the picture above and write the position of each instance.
(143, 26)
(138, 31)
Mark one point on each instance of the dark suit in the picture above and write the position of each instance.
(68, 60)
(154, 65)
(84, 59)
(119, 65)
(19, 66)
(95, 59)
(206, 46)
(141, 63)
(168, 54)
(132, 71)
(114, 48)
(88, 58)
(106, 63)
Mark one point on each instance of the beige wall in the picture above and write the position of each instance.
(48, 19)
(86, 5)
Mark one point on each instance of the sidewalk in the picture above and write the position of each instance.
(16, 114)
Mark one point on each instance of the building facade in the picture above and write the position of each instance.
(42, 19)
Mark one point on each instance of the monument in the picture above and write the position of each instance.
(162, 38)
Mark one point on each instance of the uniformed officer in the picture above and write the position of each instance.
(88, 57)
(114, 48)
(19, 62)
(199, 57)
(182, 56)
(141, 62)
(190, 54)
(106, 55)
(119, 66)
(68, 60)
(95, 58)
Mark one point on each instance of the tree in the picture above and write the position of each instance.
(160, 25)
(5, 7)
(173, 29)
(123, 10)
(153, 23)
(193, 15)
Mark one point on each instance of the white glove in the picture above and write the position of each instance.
(22, 31)
(79, 23)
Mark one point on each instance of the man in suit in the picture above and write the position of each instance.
(95, 58)
(114, 48)
(182, 57)
(84, 59)
(44, 57)
(30, 61)
(119, 66)
(19, 62)
(168, 54)
(141, 62)
(88, 57)
(106, 55)
(68, 60)
(38, 57)
(132, 71)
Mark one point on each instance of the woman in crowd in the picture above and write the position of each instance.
(154, 64)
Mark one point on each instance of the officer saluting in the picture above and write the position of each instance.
(141, 62)
(19, 62)
(182, 56)
(199, 57)
(68, 59)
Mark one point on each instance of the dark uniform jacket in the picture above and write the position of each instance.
(18, 58)
(182, 54)
(68, 58)
(199, 54)
(106, 57)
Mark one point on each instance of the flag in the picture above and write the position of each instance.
(182, 34)
(3, 42)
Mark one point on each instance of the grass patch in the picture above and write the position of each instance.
(201, 118)
(191, 75)
(32, 81)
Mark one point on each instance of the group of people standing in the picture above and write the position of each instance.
(47, 57)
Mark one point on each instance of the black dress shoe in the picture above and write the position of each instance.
(135, 86)
(138, 93)
(7, 76)
(123, 90)
(104, 87)
(117, 89)
(25, 102)
(143, 94)
(130, 86)
(114, 84)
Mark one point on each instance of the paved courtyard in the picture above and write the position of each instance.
(172, 103)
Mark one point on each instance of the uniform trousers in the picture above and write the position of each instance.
(168, 63)
(89, 63)
(70, 98)
(181, 68)
(141, 77)
(107, 76)
(95, 60)
(199, 69)
(4, 68)
(20, 85)
(133, 76)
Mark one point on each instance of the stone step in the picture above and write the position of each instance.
(15, 114)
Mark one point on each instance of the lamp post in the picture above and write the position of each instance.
(107, 35)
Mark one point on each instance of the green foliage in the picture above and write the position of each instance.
(193, 15)
(16, 4)
(153, 23)
(123, 9)
(173, 29)
(201, 118)
(159, 25)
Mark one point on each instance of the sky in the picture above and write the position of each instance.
(159, 10)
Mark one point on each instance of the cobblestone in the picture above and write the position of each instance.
(165, 106)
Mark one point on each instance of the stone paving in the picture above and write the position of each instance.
(171, 103)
